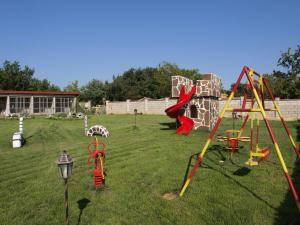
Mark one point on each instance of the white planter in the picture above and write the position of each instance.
(17, 140)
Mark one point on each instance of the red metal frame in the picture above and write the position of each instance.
(98, 154)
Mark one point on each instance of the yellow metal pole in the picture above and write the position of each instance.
(187, 182)
(251, 141)
(279, 155)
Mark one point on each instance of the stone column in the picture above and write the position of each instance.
(166, 102)
(86, 125)
(74, 104)
(31, 105)
(7, 110)
(53, 105)
(107, 110)
(277, 100)
(241, 101)
(146, 105)
(127, 105)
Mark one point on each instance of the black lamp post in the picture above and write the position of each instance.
(65, 164)
(135, 113)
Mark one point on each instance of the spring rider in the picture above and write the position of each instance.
(96, 150)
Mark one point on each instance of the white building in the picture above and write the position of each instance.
(37, 102)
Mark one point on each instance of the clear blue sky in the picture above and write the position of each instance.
(80, 40)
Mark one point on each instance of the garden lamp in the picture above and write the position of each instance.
(65, 164)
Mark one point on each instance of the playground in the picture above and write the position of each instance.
(143, 163)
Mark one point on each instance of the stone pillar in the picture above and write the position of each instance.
(277, 100)
(31, 105)
(7, 110)
(54, 105)
(74, 104)
(146, 105)
(127, 105)
(85, 125)
(107, 109)
(166, 102)
(241, 101)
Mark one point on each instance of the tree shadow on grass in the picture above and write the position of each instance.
(287, 212)
(242, 171)
(82, 204)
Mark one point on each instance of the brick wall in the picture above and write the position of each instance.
(289, 108)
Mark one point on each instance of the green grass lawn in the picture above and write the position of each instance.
(142, 165)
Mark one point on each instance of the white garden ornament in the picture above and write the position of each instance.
(98, 129)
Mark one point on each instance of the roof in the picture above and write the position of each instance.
(9, 92)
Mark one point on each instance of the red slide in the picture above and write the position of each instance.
(185, 124)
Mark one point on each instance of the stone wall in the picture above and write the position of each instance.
(289, 108)
(145, 106)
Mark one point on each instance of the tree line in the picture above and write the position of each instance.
(152, 82)
(13, 77)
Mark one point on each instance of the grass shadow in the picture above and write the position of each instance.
(242, 171)
(217, 149)
(287, 212)
(82, 204)
(168, 126)
(239, 183)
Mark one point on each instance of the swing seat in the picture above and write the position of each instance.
(251, 162)
(261, 154)
(233, 144)
(266, 153)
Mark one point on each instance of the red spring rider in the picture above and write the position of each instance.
(98, 154)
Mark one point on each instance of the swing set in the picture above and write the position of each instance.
(258, 87)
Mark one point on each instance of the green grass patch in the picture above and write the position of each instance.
(142, 165)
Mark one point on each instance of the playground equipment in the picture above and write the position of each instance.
(176, 111)
(203, 107)
(18, 139)
(233, 138)
(260, 153)
(258, 88)
(98, 154)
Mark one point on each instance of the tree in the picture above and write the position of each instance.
(95, 90)
(74, 86)
(283, 84)
(291, 62)
(240, 91)
(13, 77)
(287, 84)
(42, 85)
(152, 82)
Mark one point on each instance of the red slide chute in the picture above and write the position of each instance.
(176, 111)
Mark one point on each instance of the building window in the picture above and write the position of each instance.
(42, 105)
(194, 111)
(63, 105)
(19, 104)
